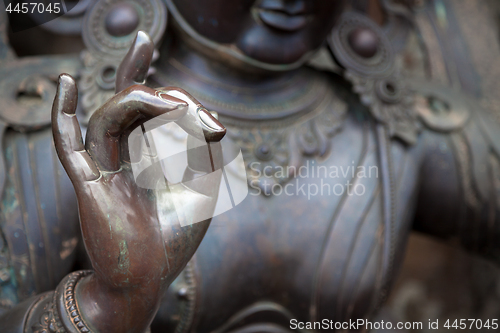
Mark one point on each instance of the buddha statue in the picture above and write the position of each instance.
(340, 163)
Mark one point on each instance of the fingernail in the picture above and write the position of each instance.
(215, 130)
(209, 120)
(66, 89)
(65, 79)
(173, 100)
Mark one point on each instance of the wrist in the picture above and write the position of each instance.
(105, 308)
(56, 311)
(67, 307)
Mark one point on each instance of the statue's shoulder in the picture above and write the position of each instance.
(406, 106)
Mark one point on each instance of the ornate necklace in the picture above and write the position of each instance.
(277, 137)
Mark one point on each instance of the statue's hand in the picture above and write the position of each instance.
(132, 234)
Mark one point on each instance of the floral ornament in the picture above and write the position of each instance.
(391, 102)
(47, 323)
(362, 48)
(273, 155)
(267, 156)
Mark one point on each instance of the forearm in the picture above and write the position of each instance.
(49, 312)
(81, 304)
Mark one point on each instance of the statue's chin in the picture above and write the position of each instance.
(257, 49)
(247, 56)
(268, 46)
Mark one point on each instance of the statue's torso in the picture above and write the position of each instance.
(313, 248)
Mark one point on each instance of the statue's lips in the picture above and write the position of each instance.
(282, 21)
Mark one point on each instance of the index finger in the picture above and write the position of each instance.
(111, 123)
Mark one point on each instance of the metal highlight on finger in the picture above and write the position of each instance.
(135, 65)
(214, 131)
(67, 134)
(67, 93)
(120, 115)
(187, 158)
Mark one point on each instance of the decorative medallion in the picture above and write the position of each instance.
(28, 87)
(361, 47)
(109, 28)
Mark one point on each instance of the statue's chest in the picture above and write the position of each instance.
(312, 246)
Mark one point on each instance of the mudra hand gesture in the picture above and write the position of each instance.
(132, 235)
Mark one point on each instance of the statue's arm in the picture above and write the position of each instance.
(459, 197)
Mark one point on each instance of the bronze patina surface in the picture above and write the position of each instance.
(341, 164)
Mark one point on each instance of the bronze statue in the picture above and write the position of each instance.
(341, 165)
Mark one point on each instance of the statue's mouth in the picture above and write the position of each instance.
(283, 17)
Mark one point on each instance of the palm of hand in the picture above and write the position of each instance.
(132, 234)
